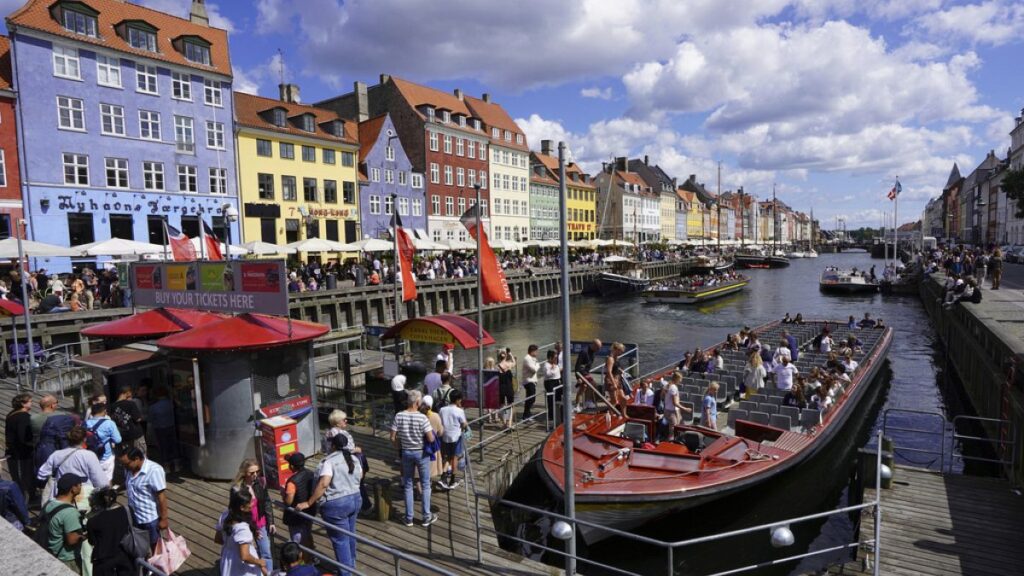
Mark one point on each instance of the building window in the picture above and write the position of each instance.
(71, 113)
(417, 207)
(435, 173)
(76, 169)
(117, 172)
(331, 191)
(80, 229)
(309, 189)
(141, 39)
(446, 116)
(389, 204)
(328, 156)
(146, 79)
(495, 133)
(508, 136)
(460, 147)
(347, 159)
(497, 181)
(331, 230)
(184, 137)
(374, 204)
(433, 142)
(279, 118)
(403, 206)
(181, 86)
(417, 180)
(462, 205)
(197, 53)
(212, 93)
(308, 154)
(348, 192)
(149, 125)
(403, 178)
(65, 63)
(483, 207)
(288, 188)
(265, 185)
(483, 151)
(108, 71)
(112, 120)
(153, 175)
(448, 175)
(449, 206)
(187, 179)
(286, 151)
(218, 180)
(483, 179)
(77, 22)
(430, 113)
(460, 177)
(307, 123)
(122, 226)
(264, 148)
(389, 176)
(3, 169)
(519, 138)
(447, 144)
(471, 152)
(374, 174)
(389, 152)
(435, 205)
(215, 135)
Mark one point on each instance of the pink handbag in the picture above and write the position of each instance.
(170, 553)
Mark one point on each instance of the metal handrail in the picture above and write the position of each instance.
(941, 433)
(147, 569)
(997, 444)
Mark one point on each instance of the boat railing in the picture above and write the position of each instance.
(1004, 445)
(779, 531)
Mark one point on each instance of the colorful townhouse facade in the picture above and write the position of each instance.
(664, 186)
(11, 213)
(683, 200)
(297, 170)
(509, 167)
(630, 207)
(544, 204)
(580, 189)
(131, 124)
(389, 183)
(443, 140)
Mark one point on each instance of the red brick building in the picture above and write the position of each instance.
(10, 175)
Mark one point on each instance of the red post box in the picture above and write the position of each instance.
(280, 437)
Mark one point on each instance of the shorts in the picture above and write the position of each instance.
(452, 449)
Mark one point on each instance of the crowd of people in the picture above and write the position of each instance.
(48, 293)
(966, 271)
(697, 281)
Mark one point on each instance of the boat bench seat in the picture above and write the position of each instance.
(780, 421)
(809, 418)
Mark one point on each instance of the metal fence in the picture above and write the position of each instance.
(949, 436)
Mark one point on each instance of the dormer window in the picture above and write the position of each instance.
(462, 121)
(519, 138)
(196, 52)
(306, 122)
(508, 136)
(78, 18)
(446, 116)
(495, 133)
(278, 117)
(338, 128)
(142, 38)
(430, 113)
(476, 123)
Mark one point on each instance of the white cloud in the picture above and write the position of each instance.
(181, 8)
(260, 79)
(595, 92)
(992, 22)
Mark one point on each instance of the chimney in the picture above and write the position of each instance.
(486, 97)
(198, 13)
(646, 160)
(384, 78)
(547, 147)
(458, 93)
(622, 163)
(362, 102)
(289, 93)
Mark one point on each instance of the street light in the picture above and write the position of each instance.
(231, 215)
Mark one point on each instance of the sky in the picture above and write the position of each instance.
(829, 101)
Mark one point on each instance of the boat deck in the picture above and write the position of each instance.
(936, 524)
(195, 505)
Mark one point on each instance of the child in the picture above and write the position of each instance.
(453, 418)
(291, 559)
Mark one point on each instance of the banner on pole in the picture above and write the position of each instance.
(237, 286)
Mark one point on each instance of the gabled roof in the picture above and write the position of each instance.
(368, 132)
(685, 195)
(35, 15)
(632, 178)
(494, 116)
(551, 164)
(248, 108)
(691, 185)
(954, 177)
(5, 63)
(417, 95)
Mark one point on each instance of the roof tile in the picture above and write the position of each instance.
(249, 106)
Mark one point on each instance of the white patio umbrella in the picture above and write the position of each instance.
(266, 248)
(320, 245)
(580, 243)
(427, 244)
(117, 247)
(9, 249)
(234, 250)
(508, 245)
(373, 245)
(599, 243)
(456, 244)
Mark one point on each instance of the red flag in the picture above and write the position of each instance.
(213, 251)
(181, 246)
(406, 250)
(495, 286)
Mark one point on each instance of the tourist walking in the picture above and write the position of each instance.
(248, 478)
(454, 423)
(584, 364)
(75, 459)
(529, 378)
(108, 523)
(235, 534)
(506, 386)
(106, 437)
(550, 372)
(709, 407)
(784, 374)
(146, 486)
(995, 267)
(754, 374)
(128, 417)
(18, 431)
(62, 524)
(339, 476)
(408, 432)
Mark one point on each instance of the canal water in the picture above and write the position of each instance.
(916, 379)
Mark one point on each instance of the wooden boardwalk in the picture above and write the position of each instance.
(937, 524)
(195, 505)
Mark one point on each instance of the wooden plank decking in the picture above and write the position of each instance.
(935, 524)
(195, 505)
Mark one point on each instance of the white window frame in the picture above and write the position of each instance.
(483, 207)
(447, 144)
(184, 134)
(77, 165)
(435, 204)
(213, 94)
(66, 57)
(115, 115)
(495, 133)
(148, 120)
(215, 131)
(73, 105)
(218, 181)
(109, 66)
(519, 138)
(434, 142)
(449, 206)
(435, 173)
(462, 205)
(374, 204)
(483, 150)
(460, 147)
(471, 152)
(144, 73)
(403, 178)
(483, 180)
(448, 179)
(119, 166)
(417, 207)
(460, 176)
(191, 176)
(403, 206)
(181, 86)
(389, 152)
(374, 174)
(416, 181)
(3, 169)
(151, 173)
(389, 204)
(471, 180)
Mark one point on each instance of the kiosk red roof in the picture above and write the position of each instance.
(156, 322)
(11, 308)
(243, 332)
(440, 329)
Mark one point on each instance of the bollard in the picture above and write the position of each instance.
(382, 499)
(887, 460)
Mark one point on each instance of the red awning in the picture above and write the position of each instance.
(244, 332)
(152, 323)
(11, 308)
(440, 329)
(113, 359)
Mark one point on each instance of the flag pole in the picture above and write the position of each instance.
(479, 321)
(569, 491)
(394, 237)
(896, 228)
(202, 238)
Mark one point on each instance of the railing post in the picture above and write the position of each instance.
(878, 505)
(479, 541)
(671, 560)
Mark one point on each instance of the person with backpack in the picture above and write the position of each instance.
(18, 431)
(128, 417)
(75, 459)
(60, 528)
(101, 437)
(443, 393)
(107, 524)
(53, 435)
(299, 488)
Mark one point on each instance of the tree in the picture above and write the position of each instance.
(1013, 185)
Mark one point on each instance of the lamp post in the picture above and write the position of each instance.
(979, 203)
(231, 216)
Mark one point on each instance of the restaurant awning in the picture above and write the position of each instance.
(152, 323)
(110, 360)
(440, 329)
(243, 332)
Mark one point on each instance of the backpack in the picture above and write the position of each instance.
(442, 399)
(42, 535)
(54, 436)
(93, 441)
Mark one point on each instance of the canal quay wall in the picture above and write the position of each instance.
(984, 344)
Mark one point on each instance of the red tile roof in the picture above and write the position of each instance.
(5, 63)
(368, 132)
(249, 106)
(494, 116)
(685, 195)
(632, 178)
(36, 16)
(551, 164)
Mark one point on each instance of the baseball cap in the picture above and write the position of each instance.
(68, 481)
(428, 401)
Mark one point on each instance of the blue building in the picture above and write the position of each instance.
(129, 123)
(385, 169)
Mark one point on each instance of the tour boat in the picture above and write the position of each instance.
(758, 259)
(622, 480)
(625, 277)
(707, 265)
(796, 254)
(846, 281)
(693, 295)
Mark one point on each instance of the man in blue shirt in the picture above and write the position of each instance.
(146, 487)
(794, 349)
(109, 436)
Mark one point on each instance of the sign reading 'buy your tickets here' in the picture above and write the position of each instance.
(258, 286)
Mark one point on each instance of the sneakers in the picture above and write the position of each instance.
(455, 484)
(442, 484)
(427, 522)
(408, 522)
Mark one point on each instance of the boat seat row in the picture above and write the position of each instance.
(792, 419)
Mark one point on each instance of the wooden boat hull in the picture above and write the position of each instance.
(753, 261)
(609, 284)
(691, 297)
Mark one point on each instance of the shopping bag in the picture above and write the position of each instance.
(170, 553)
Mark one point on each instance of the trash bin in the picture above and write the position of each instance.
(332, 281)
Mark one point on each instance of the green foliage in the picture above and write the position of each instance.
(1013, 185)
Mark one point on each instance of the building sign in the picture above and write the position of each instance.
(80, 202)
(320, 212)
(236, 286)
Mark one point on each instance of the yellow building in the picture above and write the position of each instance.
(695, 226)
(297, 170)
(582, 194)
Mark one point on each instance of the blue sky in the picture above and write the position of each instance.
(829, 99)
